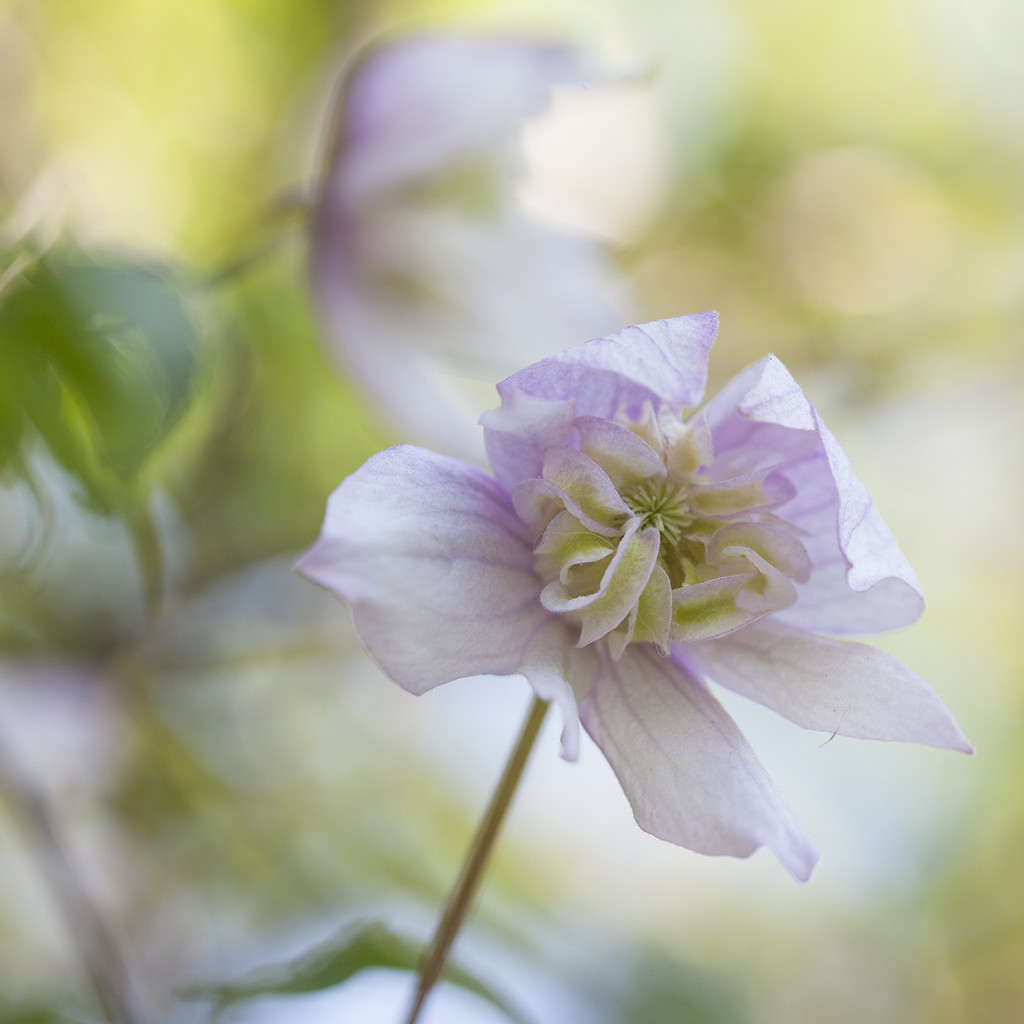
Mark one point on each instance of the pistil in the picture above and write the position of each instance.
(661, 503)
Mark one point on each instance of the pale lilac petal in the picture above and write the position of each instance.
(759, 420)
(860, 582)
(563, 675)
(627, 458)
(436, 567)
(835, 686)
(662, 361)
(687, 771)
(416, 105)
(884, 592)
(517, 434)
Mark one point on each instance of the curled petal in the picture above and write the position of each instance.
(664, 361)
(622, 593)
(614, 593)
(560, 673)
(517, 434)
(538, 501)
(687, 771)
(587, 485)
(568, 544)
(860, 582)
(651, 618)
(710, 608)
(753, 492)
(627, 458)
(435, 565)
(835, 686)
(775, 544)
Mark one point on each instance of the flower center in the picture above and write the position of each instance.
(639, 540)
(661, 503)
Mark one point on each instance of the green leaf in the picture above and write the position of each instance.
(359, 946)
(100, 358)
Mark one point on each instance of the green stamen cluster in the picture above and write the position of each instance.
(661, 504)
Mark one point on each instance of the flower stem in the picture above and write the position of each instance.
(149, 557)
(468, 882)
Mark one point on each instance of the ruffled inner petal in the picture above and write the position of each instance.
(567, 544)
(710, 608)
(590, 582)
(538, 501)
(622, 587)
(775, 544)
(653, 618)
(587, 486)
(754, 492)
(626, 457)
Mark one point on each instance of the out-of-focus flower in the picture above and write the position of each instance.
(422, 267)
(59, 723)
(627, 552)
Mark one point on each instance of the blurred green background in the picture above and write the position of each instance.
(233, 778)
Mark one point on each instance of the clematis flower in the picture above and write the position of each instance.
(419, 253)
(632, 548)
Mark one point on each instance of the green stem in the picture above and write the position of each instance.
(476, 859)
(148, 556)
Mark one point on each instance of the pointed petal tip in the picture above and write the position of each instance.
(963, 745)
(942, 732)
(306, 564)
(318, 565)
(569, 746)
(801, 862)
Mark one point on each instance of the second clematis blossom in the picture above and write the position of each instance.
(631, 548)
(419, 252)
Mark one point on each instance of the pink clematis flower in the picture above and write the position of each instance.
(419, 253)
(632, 547)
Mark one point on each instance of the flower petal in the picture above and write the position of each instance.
(626, 583)
(407, 111)
(753, 492)
(685, 768)
(567, 544)
(860, 582)
(775, 544)
(436, 567)
(661, 361)
(881, 590)
(561, 674)
(651, 619)
(627, 458)
(835, 686)
(711, 608)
